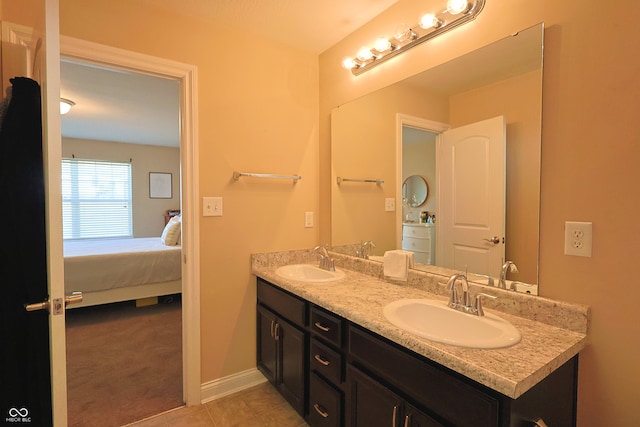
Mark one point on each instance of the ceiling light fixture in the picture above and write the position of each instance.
(430, 25)
(65, 105)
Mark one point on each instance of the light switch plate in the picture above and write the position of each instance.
(389, 204)
(212, 206)
(308, 219)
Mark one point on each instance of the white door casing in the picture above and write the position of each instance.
(471, 166)
(405, 120)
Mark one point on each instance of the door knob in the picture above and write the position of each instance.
(74, 298)
(495, 240)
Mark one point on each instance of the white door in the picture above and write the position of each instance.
(471, 197)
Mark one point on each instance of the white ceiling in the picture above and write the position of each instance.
(112, 105)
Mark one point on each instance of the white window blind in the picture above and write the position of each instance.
(96, 199)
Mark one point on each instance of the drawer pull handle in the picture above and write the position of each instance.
(395, 413)
(321, 360)
(322, 327)
(277, 332)
(273, 335)
(320, 410)
(539, 423)
(407, 421)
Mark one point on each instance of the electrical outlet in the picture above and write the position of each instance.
(578, 238)
(308, 219)
(389, 204)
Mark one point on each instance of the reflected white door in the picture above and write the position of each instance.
(471, 197)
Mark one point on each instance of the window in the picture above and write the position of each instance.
(96, 199)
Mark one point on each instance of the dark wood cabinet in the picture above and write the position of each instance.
(339, 374)
(371, 404)
(455, 400)
(281, 345)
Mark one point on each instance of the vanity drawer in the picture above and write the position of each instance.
(418, 232)
(288, 306)
(412, 244)
(437, 388)
(325, 361)
(326, 325)
(325, 403)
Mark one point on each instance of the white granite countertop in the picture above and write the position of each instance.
(511, 371)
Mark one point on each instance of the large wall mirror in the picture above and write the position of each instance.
(395, 133)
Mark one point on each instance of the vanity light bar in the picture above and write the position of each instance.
(457, 13)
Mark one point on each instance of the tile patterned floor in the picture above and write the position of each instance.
(259, 406)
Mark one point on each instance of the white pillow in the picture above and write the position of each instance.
(171, 232)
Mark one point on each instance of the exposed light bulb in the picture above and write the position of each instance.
(349, 63)
(364, 54)
(429, 20)
(455, 7)
(65, 105)
(382, 44)
(402, 33)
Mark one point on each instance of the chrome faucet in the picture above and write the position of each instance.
(490, 280)
(464, 305)
(509, 265)
(454, 298)
(515, 284)
(326, 263)
(365, 248)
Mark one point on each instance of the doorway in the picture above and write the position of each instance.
(124, 345)
(186, 75)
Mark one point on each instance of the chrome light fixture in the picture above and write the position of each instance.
(430, 25)
(65, 105)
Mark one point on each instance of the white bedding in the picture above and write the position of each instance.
(97, 265)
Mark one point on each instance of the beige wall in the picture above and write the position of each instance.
(523, 158)
(148, 214)
(258, 112)
(591, 143)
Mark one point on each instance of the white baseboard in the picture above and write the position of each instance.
(221, 387)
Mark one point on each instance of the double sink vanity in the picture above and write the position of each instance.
(349, 348)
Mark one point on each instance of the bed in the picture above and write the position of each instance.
(113, 270)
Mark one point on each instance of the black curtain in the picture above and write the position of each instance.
(25, 377)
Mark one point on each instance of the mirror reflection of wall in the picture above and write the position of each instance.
(504, 78)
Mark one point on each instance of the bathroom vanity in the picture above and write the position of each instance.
(331, 353)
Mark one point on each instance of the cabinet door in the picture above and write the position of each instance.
(291, 358)
(266, 345)
(370, 403)
(413, 417)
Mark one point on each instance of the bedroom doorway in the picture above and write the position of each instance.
(166, 191)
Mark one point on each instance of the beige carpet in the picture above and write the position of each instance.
(123, 363)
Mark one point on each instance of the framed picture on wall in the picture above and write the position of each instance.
(160, 185)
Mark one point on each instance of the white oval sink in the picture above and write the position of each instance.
(308, 273)
(436, 321)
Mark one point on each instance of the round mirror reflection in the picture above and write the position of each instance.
(415, 191)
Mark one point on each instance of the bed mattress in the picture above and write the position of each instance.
(97, 265)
